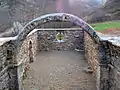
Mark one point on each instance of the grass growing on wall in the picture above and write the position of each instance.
(106, 25)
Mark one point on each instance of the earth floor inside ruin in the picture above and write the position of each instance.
(59, 70)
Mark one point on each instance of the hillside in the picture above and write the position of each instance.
(80, 8)
(109, 11)
(24, 11)
(113, 7)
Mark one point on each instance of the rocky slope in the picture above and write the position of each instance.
(109, 11)
(78, 7)
(113, 7)
(26, 10)
(84, 7)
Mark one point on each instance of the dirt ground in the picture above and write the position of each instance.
(111, 31)
(59, 70)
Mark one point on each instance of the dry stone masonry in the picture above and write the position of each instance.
(16, 53)
(72, 40)
(114, 66)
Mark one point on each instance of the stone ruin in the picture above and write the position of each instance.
(19, 49)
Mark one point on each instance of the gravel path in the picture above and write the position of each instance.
(59, 71)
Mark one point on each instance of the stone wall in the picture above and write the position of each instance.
(34, 39)
(9, 79)
(114, 66)
(8, 72)
(4, 80)
(3, 56)
(3, 68)
(72, 40)
(92, 56)
(91, 51)
(109, 55)
(23, 57)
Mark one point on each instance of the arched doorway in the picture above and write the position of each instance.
(36, 24)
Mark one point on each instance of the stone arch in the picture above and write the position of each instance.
(57, 17)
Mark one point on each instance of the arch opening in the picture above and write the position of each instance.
(63, 17)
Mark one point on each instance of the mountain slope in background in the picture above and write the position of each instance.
(33, 8)
(113, 7)
(77, 7)
(84, 7)
(109, 11)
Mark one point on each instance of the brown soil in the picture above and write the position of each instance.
(114, 31)
(59, 71)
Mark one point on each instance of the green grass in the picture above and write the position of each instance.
(105, 25)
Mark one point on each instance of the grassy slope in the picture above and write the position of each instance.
(106, 25)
